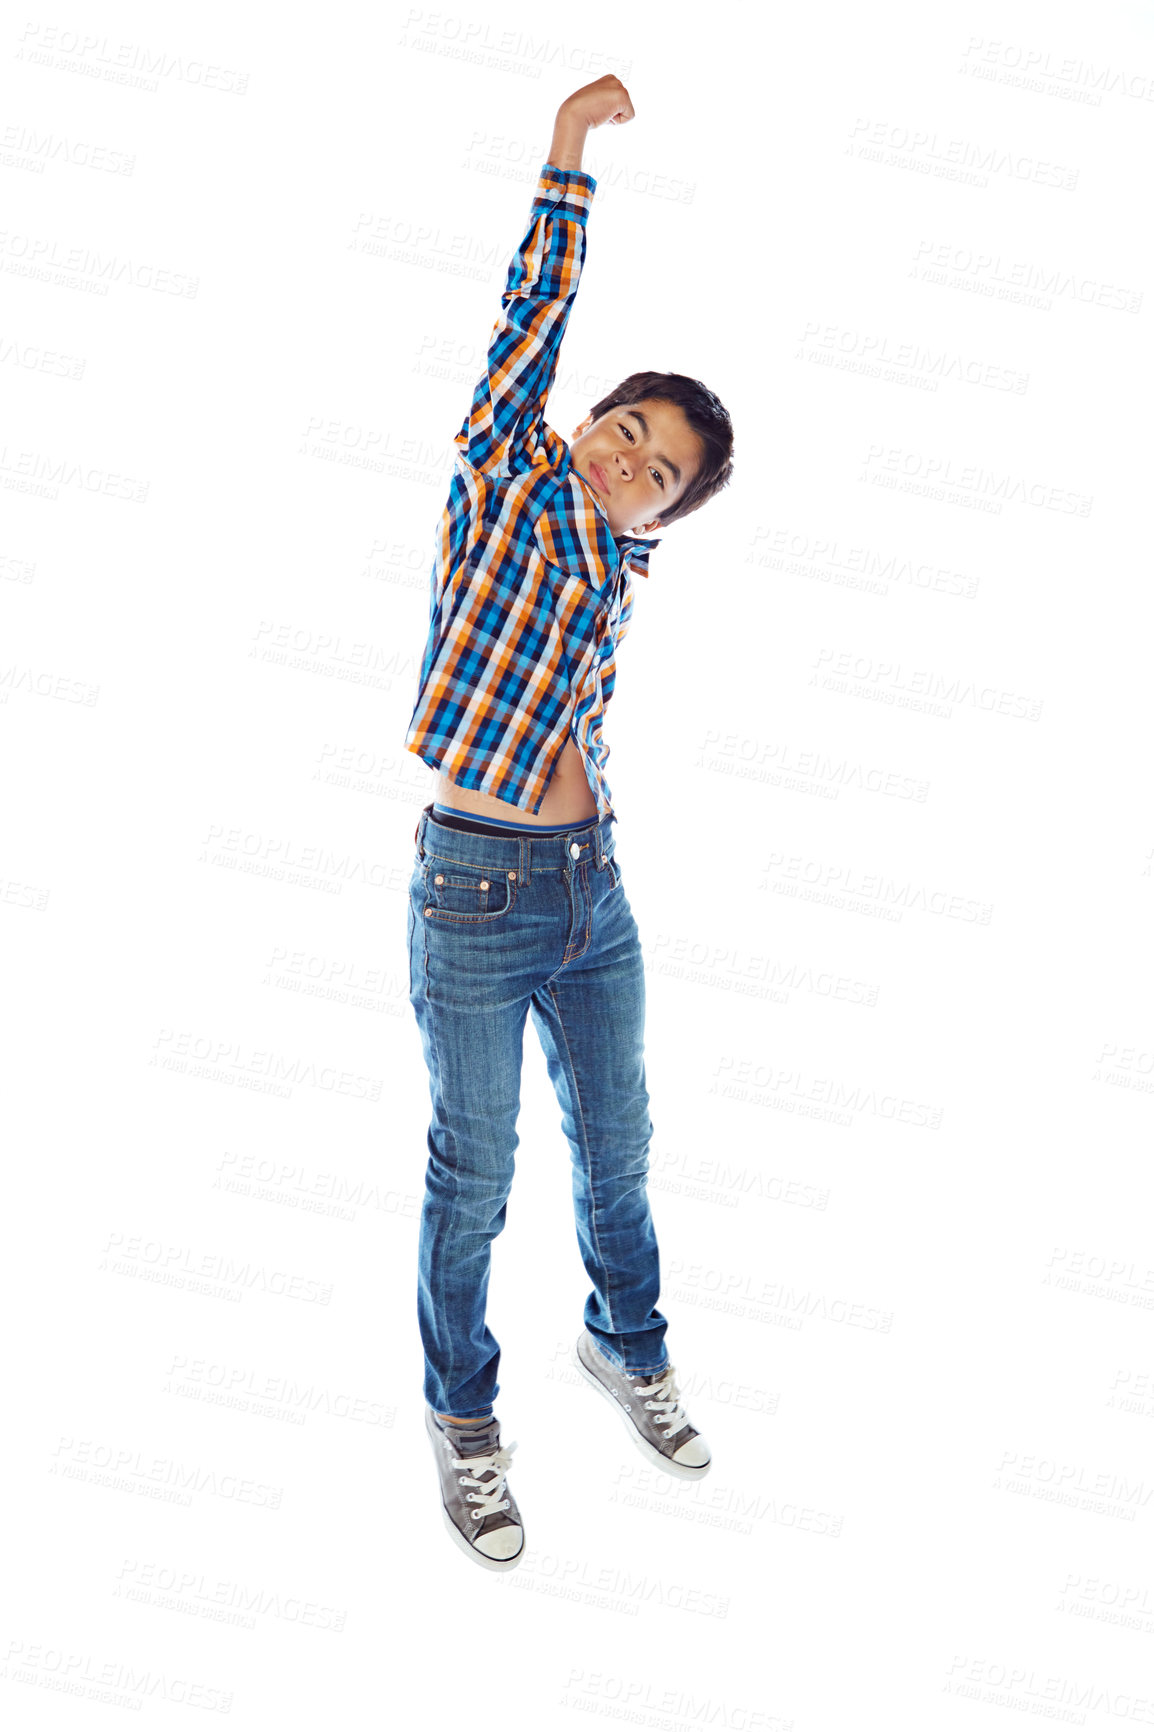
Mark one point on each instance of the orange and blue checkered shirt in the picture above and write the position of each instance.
(530, 591)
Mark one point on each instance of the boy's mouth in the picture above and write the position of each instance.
(599, 476)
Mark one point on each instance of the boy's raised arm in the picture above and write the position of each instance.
(500, 433)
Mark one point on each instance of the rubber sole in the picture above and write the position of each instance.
(652, 1455)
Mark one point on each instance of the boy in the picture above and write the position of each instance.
(516, 902)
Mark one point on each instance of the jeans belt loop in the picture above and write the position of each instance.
(523, 859)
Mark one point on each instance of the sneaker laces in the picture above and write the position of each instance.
(489, 1498)
(665, 1401)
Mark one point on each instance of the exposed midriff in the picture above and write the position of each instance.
(568, 797)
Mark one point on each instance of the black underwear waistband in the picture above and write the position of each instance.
(455, 821)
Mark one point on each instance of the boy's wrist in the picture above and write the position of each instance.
(568, 143)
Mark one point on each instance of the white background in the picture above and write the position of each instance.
(880, 751)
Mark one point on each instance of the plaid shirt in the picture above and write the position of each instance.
(530, 592)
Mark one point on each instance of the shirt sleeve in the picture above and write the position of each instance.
(503, 428)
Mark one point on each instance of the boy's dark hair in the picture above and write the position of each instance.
(706, 415)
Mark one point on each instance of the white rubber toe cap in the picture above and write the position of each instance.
(501, 1543)
(695, 1453)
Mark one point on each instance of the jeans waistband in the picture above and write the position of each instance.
(592, 839)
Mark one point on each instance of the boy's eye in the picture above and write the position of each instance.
(656, 473)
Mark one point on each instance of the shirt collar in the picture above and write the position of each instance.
(635, 552)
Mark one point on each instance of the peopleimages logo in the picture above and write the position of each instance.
(473, 39)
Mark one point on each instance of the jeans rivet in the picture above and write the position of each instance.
(484, 884)
(440, 878)
(512, 874)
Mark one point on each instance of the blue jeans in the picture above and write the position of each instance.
(499, 926)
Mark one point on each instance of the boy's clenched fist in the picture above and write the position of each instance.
(605, 100)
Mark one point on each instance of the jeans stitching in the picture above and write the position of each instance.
(437, 1276)
(645, 1371)
(581, 879)
(572, 1069)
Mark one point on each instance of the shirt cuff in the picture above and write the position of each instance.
(568, 190)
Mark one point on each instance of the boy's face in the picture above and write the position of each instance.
(639, 459)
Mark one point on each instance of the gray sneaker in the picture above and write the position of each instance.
(479, 1512)
(651, 1408)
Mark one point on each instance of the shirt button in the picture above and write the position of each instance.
(574, 849)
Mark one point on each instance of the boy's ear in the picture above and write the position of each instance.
(583, 426)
